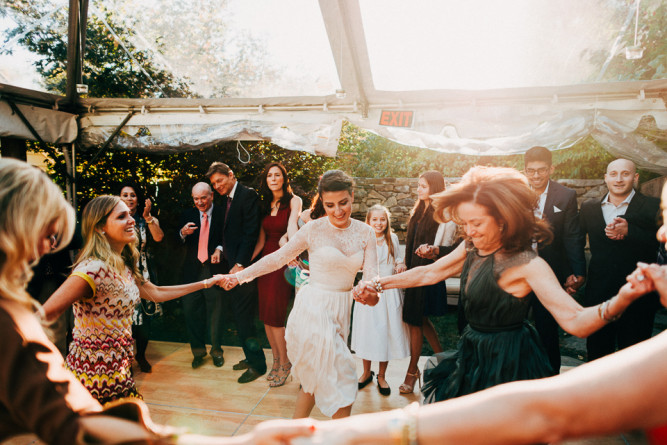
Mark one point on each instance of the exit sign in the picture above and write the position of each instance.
(391, 118)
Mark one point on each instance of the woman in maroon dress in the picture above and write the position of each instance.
(280, 210)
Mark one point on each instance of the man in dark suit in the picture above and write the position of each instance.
(621, 230)
(201, 232)
(239, 236)
(557, 204)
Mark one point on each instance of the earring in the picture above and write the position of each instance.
(502, 227)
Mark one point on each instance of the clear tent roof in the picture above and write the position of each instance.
(472, 77)
(268, 48)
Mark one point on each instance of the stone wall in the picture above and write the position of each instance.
(399, 196)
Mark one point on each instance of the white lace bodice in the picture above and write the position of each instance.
(335, 255)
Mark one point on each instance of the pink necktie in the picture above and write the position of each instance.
(202, 254)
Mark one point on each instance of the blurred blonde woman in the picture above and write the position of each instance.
(37, 394)
(103, 289)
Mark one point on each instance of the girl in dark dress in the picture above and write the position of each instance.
(424, 301)
(280, 209)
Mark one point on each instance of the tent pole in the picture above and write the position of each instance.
(25, 121)
(111, 138)
(76, 41)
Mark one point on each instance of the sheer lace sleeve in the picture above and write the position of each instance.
(277, 259)
(504, 261)
(371, 268)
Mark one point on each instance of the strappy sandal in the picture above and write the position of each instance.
(282, 375)
(274, 370)
(409, 389)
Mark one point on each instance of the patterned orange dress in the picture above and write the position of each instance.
(101, 352)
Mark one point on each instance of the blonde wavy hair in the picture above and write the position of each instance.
(33, 208)
(97, 246)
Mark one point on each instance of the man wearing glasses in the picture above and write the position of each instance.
(565, 254)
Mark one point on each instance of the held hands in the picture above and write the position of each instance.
(364, 292)
(617, 229)
(400, 268)
(573, 283)
(228, 281)
(215, 279)
(646, 278)
(428, 252)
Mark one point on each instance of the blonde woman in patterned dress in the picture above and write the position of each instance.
(103, 289)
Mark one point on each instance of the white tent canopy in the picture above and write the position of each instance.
(391, 68)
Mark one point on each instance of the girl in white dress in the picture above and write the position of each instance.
(319, 324)
(378, 332)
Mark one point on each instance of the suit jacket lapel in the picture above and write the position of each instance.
(635, 204)
(548, 212)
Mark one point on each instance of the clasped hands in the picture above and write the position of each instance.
(617, 229)
(365, 293)
(227, 282)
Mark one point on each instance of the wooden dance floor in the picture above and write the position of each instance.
(208, 400)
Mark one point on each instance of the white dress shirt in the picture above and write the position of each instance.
(610, 211)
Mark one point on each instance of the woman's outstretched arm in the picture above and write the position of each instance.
(599, 398)
(442, 269)
(158, 294)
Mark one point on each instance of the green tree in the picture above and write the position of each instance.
(652, 36)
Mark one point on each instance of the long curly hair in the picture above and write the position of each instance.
(505, 193)
(33, 208)
(95, 243)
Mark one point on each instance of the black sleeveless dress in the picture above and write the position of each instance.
(498, 345)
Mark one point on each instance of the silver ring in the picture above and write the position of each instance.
(641, 278)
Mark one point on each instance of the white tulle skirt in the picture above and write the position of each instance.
(316, 336)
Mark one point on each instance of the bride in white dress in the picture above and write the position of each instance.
(319, 324)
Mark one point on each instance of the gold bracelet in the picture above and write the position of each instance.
(206, 283)
(151, 221)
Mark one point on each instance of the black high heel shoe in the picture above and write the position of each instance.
(363, 384)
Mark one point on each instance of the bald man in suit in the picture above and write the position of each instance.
(201, 234)
(621, 229)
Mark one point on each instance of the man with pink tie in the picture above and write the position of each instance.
(201, 233)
